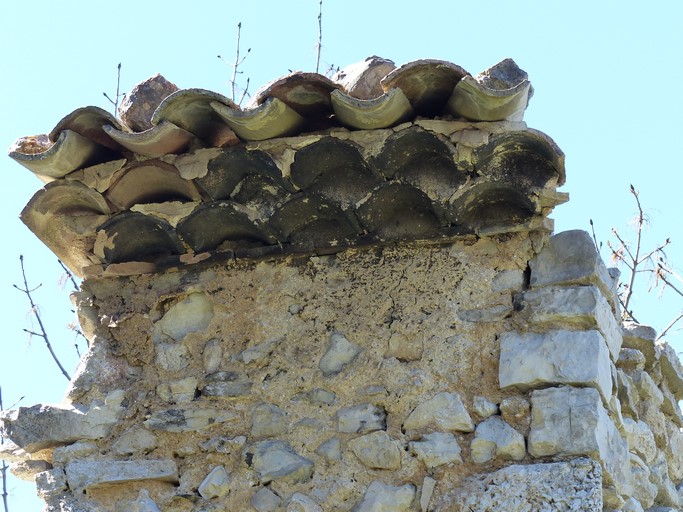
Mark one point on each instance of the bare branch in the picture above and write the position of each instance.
(319, 46)
(595, 239)
(235, 66)
(3, 468)
(671, 324)
(118, 94)
(69, 275)
(34, 309)
(636, 260)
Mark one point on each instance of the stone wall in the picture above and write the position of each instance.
(488, 373)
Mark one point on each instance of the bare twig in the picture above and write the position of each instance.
(598, 246)
(671, 324)
(319, 46)
(34, 309)
(118, 94)
(69, 275)
(3, 469)
(235, 66)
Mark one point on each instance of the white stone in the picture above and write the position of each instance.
(428, 485)
(672, 369)
(301, 503)
(574, 486)
(134, 441)
(381, 497)
(377, 450)
(640, 439)
(51, 483)
(188, 419)
(265, 500)
(647, 388)
(643, 489)
(674, 452)
(172, 356)
(642, 338)
(144, 503)
(445, 411)
(573, 421)
(330, 449)
(178, 391)
(84, 475)
(340, 352)
(667, 495)
(437, 449)
(27, 469)
(361, 418)
(532, 360)
(215, 484)
(193, 314)
(77, 450)
(404, 348)
(212, 355)
(276, 460)
(483, 407)
(495, 438)
(632, 505)
(268, 420)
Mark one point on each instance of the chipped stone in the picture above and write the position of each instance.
(216, 484)
(627, 394)
(136, 440)
(437, 449)
(27, 469)
(647, 388)
(178, 391)
(386, 498)
(444, 411)
(226, 384)
(580, 307)
(84, 475)
(495, 438)
(377, 450)
(516, 410)
(573, 421)
(301, 503)
(51, 483)
(222, 444)
(632, 505)
(361, 418)
(509, 280)
(490, 314)
(330, 449)
(171, 356)
(642, 338)
(428, 485)
(138, 105)
(631, 360)
(268, 420)
(643, 489)
(192, 314)
(340, 352)
(404, 348)
(77, 450)
(276, 460)
(531, 360)
(667, 495)
(144, 503)
(188, 419)
(362, 79)
(259, 353)
(483, 407)
(672, 369)
(212, 355)
(321, 396)
(265, 500)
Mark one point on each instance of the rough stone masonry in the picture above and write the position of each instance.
(342, 318)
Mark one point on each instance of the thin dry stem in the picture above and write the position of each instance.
(235, 66)
(319, 46)
(34, 309)
(3, 469)
(118, 89)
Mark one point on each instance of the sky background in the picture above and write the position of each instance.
(607, 77)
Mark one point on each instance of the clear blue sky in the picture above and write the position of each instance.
(606, 76)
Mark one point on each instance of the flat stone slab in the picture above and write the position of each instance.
(672, 369)
(533, 360)
(84, 475)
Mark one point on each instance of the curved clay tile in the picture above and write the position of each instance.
(269, 120)
(490, 204)
(428, 84)
(190, 109)
(526, 157)
(213, 224)
(151, 181)
(68, 153)
(362, 79)
(306, 93)
(333, 169)
(162, 139)
(310, 221)
(389, 109)
(227, 170)
(131, 236)
(88, 122)
(64, 215)
(501, 92)
(396, 211)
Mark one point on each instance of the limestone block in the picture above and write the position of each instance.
(674, 452)
(216, 484)
(667, 494)
(188, 419)
(655, 419)
(276, 460)
(483, 407)
(404, 348)
(84, 475)
(377, 450)
(640, 439)
(340, 352)
(428, 485)
(632, 505)
(178, 391)
(330, 449)
(445, 411)
(531, 360)
(28, 469)
(144, 503)
(193, 314)
(571, 258)
(50, 483)
(582, 307)
(647, 388)
(386, 498)
(509, 280)
(495, 438)
(516, 410)
(77, 450)
(670, 405)
(134, 441)
(265, 500)
(672, 369)
(10, 452)
(642, 338)
(226, 385)
(573, 421)
(361, 418)
(44, 426)
(627, 394)
(212, 355)
(630, 359)
(268, 420)
(437, 449)
(643, 489)
(301, 503)
(574, 486)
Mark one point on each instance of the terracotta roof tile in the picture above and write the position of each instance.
(380, 154)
